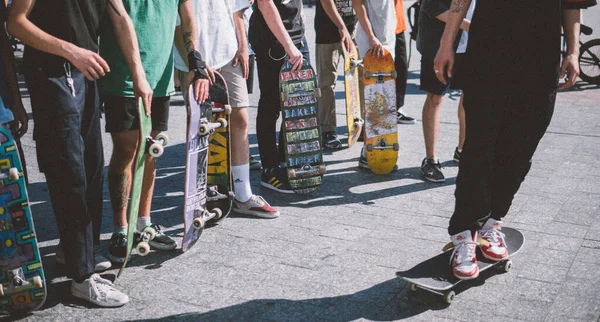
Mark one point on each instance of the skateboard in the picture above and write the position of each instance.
(219, 190)
(199, 128)
(435, 275)
(22, 282)
(353, 116)
(155, 148)
(381, 137)
(301, 134)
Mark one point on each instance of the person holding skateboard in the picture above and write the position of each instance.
(335, 22)
(61, 69)
(401, 64)
(276, 32)
(154, 23)
(432, 19)
(511, 79)
(223, 44)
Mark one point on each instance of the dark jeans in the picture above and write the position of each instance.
(401, 63)
(503, 131)
(269, 104)
(69, 148)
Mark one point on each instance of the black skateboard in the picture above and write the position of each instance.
(435, 275)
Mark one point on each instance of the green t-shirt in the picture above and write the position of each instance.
(154, 22)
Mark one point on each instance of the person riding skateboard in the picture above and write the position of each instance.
(61, 67)
(511, 79)
(335, 22)
(223, 44)
(154, 23)
(276, 31)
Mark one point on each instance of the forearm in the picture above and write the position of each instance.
(333, 14)
(273, 20)
(240, 29)
(443, 17)
(361, 14)
(456, 16)
(571, 27)
(189, 30)
(179, 46)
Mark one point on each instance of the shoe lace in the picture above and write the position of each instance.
(100, 286)
(258, 200)
(464, 252)
(493, 235)
(119, 240)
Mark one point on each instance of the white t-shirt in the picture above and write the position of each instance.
(218, 42)
(382, 16)
(464, 39)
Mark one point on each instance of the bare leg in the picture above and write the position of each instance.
(239, 136)
(431, 122)
(119, 173)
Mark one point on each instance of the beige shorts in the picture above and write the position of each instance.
(236, 84)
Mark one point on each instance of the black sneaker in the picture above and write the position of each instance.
(431, 169)
(275, 179)
(457, 155)
(160, 240)
(362, 163)
(330, 141)
(117, 249)
(405, 119)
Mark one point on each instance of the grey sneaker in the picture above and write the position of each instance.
(431, 170)
(101, 263)
(255, 206)
(255, 164)
(99, 291)
(331, 141)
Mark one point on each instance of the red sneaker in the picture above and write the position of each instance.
(464, 258)
(256, 206)
(496, 248)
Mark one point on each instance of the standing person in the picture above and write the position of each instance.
(154, 23)
(401, 64)
(335, 22)
(432, 20)
(61, 68)
(276, 33)
(223, 44)
(511, 78)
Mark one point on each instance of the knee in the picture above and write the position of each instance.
(433, 100)
(239, 122)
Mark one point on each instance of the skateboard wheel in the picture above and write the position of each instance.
(1, 290)
(369, 147)
(368, 75)
(231, 195)
(156, 150)
(198, 224)
(396, 147)
(223, 122)
(163, 137)
(506, 266)
(449, 297)
(151, 232)
(292, 173)
(142, 248)
(394, 74)
(13, 174)
(227, 109)
(412, 287)
(203, 129)
(317, 92)
(322, 169)
(218, 213)
(37, 282)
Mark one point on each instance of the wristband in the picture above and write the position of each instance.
(195, 60)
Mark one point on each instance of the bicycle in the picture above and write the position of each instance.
(589, 57)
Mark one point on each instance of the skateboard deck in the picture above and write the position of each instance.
(155, 148)
(435, 275)
(22, 281)
(220, 186)
(302, 138)
(353, 115)
(199, 128)
(381, 137)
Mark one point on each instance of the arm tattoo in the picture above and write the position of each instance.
(458, 5)
(187, 41)
(112, 5)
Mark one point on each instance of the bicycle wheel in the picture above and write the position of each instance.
(589, 61)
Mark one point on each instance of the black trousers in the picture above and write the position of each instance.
(69, 149)
(269, 104)
(503, 132)
(401, 64)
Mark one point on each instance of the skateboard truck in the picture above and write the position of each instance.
(380, 76)
(382, 145)
(143, 247)
(199, 222)
(207, 128)
(19, 281)
(226, 109)
(156, 146)
(213, 194)
(308, 170)
(12, 175)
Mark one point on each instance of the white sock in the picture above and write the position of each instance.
(143, 222)
(121, 229)
(241, 182)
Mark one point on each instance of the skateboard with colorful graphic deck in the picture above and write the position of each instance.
(435, 274)
(22, 281)
(301, 132)
(196, 213)
(146, 146)
(219, 190)
(381, 137)
(353, 116)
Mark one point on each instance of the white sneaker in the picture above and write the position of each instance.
(99, 291)
(255, 206)
(464, 257)
(496, 248)
(101, 263)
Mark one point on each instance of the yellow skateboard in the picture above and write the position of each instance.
(381, 137)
